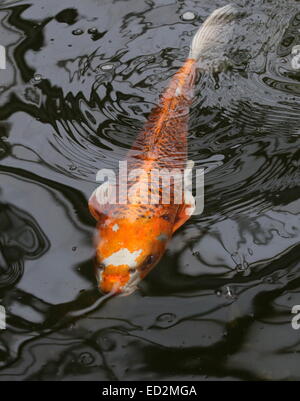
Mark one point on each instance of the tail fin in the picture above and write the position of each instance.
(215, 30)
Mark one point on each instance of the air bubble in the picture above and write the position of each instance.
(92, 30)
(188, 16)
(77, 32)
(86, 358)
(107, 67)
(166, 319)
(37, 78)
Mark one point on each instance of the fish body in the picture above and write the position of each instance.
(132, 237)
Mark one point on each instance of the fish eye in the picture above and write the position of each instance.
(132, 270)
(101, 267)
(150, 259)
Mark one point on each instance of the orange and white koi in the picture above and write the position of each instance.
(131, 238)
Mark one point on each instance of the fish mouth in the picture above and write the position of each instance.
(131, 285)
(114, 284)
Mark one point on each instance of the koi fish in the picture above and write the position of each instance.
(131, 238)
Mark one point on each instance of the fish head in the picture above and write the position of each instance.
(127, 249)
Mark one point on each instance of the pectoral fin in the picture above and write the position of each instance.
(99, 199)
(185, 211)
(93, 206)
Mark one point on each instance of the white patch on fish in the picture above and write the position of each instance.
(123, 257)
(99, 274)
(116, 227)
(131, 285)
(178, 92)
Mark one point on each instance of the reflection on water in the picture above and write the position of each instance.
(80, 81)
(20, 238)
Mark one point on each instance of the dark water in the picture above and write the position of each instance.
(80, 81)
